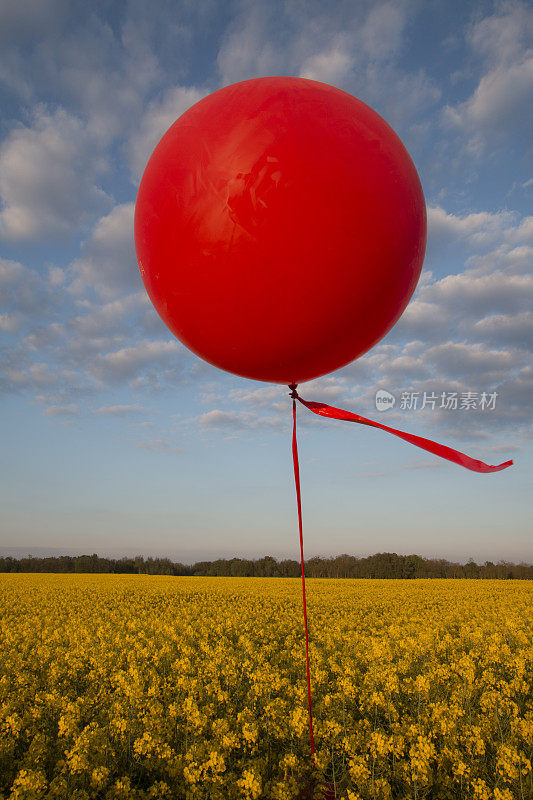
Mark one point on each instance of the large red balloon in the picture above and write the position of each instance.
(280, 228)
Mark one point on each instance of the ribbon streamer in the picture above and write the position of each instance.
(300, 525)
(440, 450)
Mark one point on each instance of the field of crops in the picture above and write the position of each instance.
(156, 687)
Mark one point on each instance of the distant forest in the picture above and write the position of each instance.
(380, 565)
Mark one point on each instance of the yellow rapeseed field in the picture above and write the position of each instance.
(160, 687)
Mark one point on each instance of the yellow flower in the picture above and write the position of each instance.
(138, 687)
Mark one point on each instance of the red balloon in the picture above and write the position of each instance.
(280, 228)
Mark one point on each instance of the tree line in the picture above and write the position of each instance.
(380, 565)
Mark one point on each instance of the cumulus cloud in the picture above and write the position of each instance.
(18, 375)
(322, 43)
(265, 397)
(104, 319)
(20, 372)
(10, 323)
(477, 229)
(158, 117)
(48, 178)
(516, 393)
(406, 368)
(124, 364)
(104, 327)
(471, 331)
(217, 418)
(500, 106)
(456, 305)
(246, 51)
(268, 407)
(496, 282)
(514, 329)
(108, 263)
(479, 294)
(118, 411)
(21, 20)
(330, 66)
(107, 75)
(354, 46)
(25, 298)
(465, 330)
(458, 359)
(330, 388)
(238, 420)
(160, 446)
(105, 72)
(62, 411)
(102, 72)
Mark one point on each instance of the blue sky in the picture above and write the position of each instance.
(114, 437)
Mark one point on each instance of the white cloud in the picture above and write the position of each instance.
(330, 66)
(217, 418)
(516, 394)
(158, 117)
(62, 411)
(478, 229)
(356, 46)
(466, 332)
(329, 387)
(456, 305)
(319, 42)
(500, 106)
(505, 35)
(117, 411)
(381, 36)
(10, 323)
(56, 276)
(124, 364)
(239, 420)
(20, 20)
(42, 336)
(405, 99)
(36, 375)
(477, 294)
(458, 359)
(48, 174)
(160, 446)
(269, 407)
(275, 397)
(108, 76)
(24, 293)
(108, 263)
(19, 374)
(21, 23)
(245, 51)
(104, 319)
(407, 368)
(370, 36)
(516, 329)
(264, 397)
(420, 315)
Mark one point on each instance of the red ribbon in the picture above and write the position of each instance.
(300, 525)
(441, 450)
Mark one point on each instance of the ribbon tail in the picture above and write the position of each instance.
(296, 465)
(440, 450)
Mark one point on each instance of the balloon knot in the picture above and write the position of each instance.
(294, 394)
